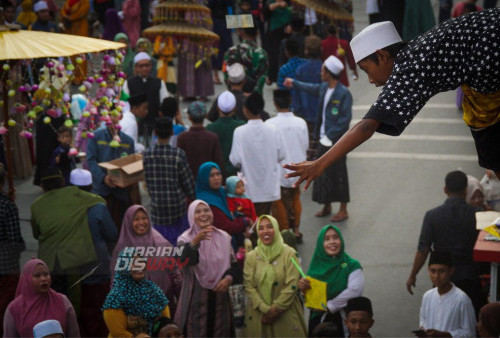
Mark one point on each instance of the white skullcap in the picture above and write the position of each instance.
(372, 38)
(235, 73)
(80, 177)
(47, 327)
(334, 65)
(226, 102)
(40, 6)
(141, 56)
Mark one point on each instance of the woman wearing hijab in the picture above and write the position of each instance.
(35, 302)
(209, 189)
(475, 194)
(136, 231)
(132, 19)
(133, 304)
(204, 308)
(343, 275)
(128, 61)
(273, 306)
(489, 320)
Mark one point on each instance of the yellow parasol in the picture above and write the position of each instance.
(16, 44)
(326, 8)
(195, 33)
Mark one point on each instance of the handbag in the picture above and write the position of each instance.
(238, 303)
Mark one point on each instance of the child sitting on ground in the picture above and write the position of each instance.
(63, 156)
(237, 201)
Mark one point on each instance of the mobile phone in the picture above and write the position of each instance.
(419, 332)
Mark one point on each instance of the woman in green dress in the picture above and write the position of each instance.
(273, 305)
(343, 275)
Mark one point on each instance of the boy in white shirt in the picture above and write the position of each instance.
(128, 123)
(295, 141)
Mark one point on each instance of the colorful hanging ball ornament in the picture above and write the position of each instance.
(86, 114)
(22, 89)
(105, 57)
(90, 135)
(90, 79)
(6, 67)
(103, 84)
(99, 79)
(46, 120)
(87, 84)
(79, 60)
(32, 114)
(3, 130)
(34, 88)
(82, 88)
(83, 134)
(11, 123)
(26, 134)
(52, 112)
(48, 90)
(50, 64)
(122, 74)
(70, 67)
(11, 93)
(72, 152)
(66, 97)
(68, 123)
(60, 68)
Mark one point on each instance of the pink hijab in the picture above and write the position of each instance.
(30, 308)
(152, 238)
(214, 254)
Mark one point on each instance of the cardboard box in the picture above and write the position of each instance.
(125, 171)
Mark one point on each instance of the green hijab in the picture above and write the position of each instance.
(333, 270)
(269, 253)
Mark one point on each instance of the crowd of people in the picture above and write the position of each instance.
(215, 253)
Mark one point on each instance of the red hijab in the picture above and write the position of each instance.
(30, 307)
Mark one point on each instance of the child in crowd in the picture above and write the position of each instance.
(237, 201)
(446, 310)
(63, 156)
(491, 186)
(359, 317)
(170, 108)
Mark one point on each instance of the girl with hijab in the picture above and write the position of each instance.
(343, 275)
(236, 198)
(128, 61)
(133, 304)
(204, 308)
(209, 189)
(475, 194)
(113, 25)
(136, 231)
(35, 302)
(273, 305)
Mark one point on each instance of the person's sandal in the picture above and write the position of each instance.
(339, 218)
(324, 212)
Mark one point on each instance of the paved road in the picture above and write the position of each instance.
(393, 182)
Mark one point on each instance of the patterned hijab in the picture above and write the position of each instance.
(269, 253)
(30, 308)
(332, 270)
(214, 254)
(216, 198)
(152, 238)
(136, 298)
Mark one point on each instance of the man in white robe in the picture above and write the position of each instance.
(257, 150)
(446, 310)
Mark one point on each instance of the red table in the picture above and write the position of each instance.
(488, 251)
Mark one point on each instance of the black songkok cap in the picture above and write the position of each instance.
(284, 93)
(441, 257)
(359, 304)
(50, 173)
(137, 100)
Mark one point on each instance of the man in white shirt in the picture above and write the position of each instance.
(295, 141)
(446, 310)
(138, 110)
(154, 89)
(257, 150)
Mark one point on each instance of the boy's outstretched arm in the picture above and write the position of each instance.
(310, 170)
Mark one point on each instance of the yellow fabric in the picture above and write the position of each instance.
(116, 321)
(480, 110)
(77, 16)
(164, 49)
(27, 17)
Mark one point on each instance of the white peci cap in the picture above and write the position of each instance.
(235, 73)
(334, 65)
(40, 6)
(141, 56)
(373, 38)
(47, 328)
(80, 177)
(226, 102)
